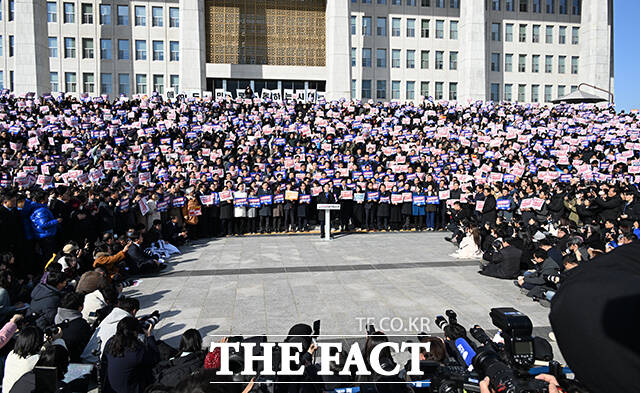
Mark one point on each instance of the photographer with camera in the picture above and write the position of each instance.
(76, 332)
(54, 358)
(543, 266)
(505, 261)
(45, 298)
(127, 360)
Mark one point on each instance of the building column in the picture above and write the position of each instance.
(31, 66)
(193, 53)
(595, 65)
(473, 56)
(338, 56)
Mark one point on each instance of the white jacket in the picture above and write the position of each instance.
(16, 366)
(468, 249)
(103, 333)
(93, 302)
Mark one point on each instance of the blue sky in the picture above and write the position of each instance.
(627, 54)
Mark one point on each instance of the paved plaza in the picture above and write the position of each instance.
(264, 284)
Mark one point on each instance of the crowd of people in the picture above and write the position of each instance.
(94, 191)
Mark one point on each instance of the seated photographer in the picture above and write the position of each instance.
(301, 333)
(576, 246)
(570, 262)
(190, 358)
(138, 261)
(173, 232)
(104, 258)
(45, 298)
(52, 356)
(469, 247)
(127, 361)
(543, 266)
(23, 357)
(437, 348)
(76, 332)
(505, 261)
(127, 307)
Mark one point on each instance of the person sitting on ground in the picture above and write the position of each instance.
(190, 358)
(45, 299)
(23, 357)
(505, 263)
(469, 246)
(543, 266)
(138, 261)
(77, 332)
(55, 356)
(109, 262)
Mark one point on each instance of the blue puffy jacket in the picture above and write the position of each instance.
(43, 222)
(25, 216)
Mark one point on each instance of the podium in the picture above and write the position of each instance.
(327, 207)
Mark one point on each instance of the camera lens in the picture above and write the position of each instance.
(441, 321)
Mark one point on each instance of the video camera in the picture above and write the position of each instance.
(507, 365)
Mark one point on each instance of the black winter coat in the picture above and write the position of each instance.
(44, 302)
(489, 212)
(504, 264)
(171, 372)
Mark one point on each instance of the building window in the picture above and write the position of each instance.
(574, 88)
(123, 16)
(454, 3)
(140, 12)
(523, 5)
(550, 6)
(141, 84)
(535, 63)
(353, 88)
(548, 64)
(535, 36)
(53, 81)
(69, 13)
(11, 81)
(508, 62)
(70, 82)
(87, 48)
(69, 48)
(495, 92)
(174, 17)
(366, 57)
(366, 25)
(174, 51)
(535, 93)
(52, 14)
(87, 14)
(424, 89)
(381, 90)
(562, 60)
(495, 5)
(411, 3)
(522, 93)
(381, 58)
(411, 58)
(439, 90)
(2, 47)
(395, 90)
(575, 35)
(574, 65)
(105, 16)
(424, 59)
(381, 26)
(562, 35)
(396, 2)
(411, 27)
(424, 28)
(563, 7)
(123, 49)
(523, 33)
(508, 92)
(453, 90)
(495, 62)
(549, 35)
(411, 90)
(354, 55)
(561, 91)
(366, 89)
(522, 63)
(439, 60)
(439, 29)
(141, 50)
(548, 93)
(174, 82)
(426, 3)
(495, 32)
(508, 32)
(353, 25)
(508, 5)
(536, 6)
(53, 47)
(576, 7)
(453, 30)
(11, 45)
(453, 60)
(123, 84)
(88, 82)
(158, 50)
(395, 27)
(395, 58)
(106, 82)
(156, 17)
(105, 49)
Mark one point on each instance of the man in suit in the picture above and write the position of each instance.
(505, 263)
(489, 212)
(325, 196)
(138, 260)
